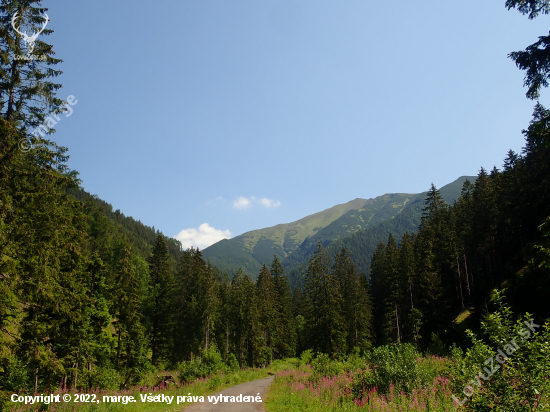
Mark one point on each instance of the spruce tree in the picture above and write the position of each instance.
(269, 313)
(42, 229)
(435, 257)
(97, 349)
(534, 60)
(411, 315)
(248, 341)
(393, 327)
(197, 305)
(209, 305)
(131, 345)
(223, 324)
(27, 93)
(379, 291)
(162, 288)
(285, 342)
(326, 328)
(356, 305)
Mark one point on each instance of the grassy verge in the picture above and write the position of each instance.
(199, 387)
(302, 389)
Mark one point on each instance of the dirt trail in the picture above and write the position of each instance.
(244, 389)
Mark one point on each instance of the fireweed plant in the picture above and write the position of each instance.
(390, 378)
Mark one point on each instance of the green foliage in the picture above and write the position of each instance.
(232, 362)
(509, 368)
(89, 297)
(488, 237)
(286, 337)
(109, 223)
(531, 7)
(162, 289)
(323, 366)
(354, 361)
(306, 357)
(269, 313)
(536, 58)
(14, 376)
(210, 362)
(437, 347)
(391, 365)
(323, 310)
(195, 306)
(104, 377)
(356, 302)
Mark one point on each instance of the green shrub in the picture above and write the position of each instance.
(355, 361)
(390, 364)
(104, 377)
(13, 375)
(509, 369)
(190, 370)
(437, 347)
(210, 362)
(215, 382)
(324, 366)
(306, 357)
(232, 362)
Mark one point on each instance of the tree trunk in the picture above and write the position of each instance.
(118, 348)
(207, 332)
(397, 323)
(76, 369)
(467, 276)
(10, 109)
(459, 282)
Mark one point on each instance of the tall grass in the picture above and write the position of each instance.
(304, 389)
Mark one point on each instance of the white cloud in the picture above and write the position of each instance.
(202, 237)
(242, 203)
(264, 201)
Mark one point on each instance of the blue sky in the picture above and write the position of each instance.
(219, 117)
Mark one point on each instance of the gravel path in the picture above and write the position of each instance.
(244, 389)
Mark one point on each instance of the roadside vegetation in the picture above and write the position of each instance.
(392, 378)
(202, 376)
(493, 374)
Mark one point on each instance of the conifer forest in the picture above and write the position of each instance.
(93, 300)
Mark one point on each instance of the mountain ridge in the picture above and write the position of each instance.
(293, 242)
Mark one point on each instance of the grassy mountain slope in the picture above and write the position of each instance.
(250, 250)
(373, 213)
(362, 244)
(295, 242)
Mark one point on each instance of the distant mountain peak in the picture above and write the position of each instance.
(294, 241)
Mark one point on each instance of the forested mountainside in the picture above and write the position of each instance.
(362, 244)
(294, 243)
(141, 237)
(250, 250)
